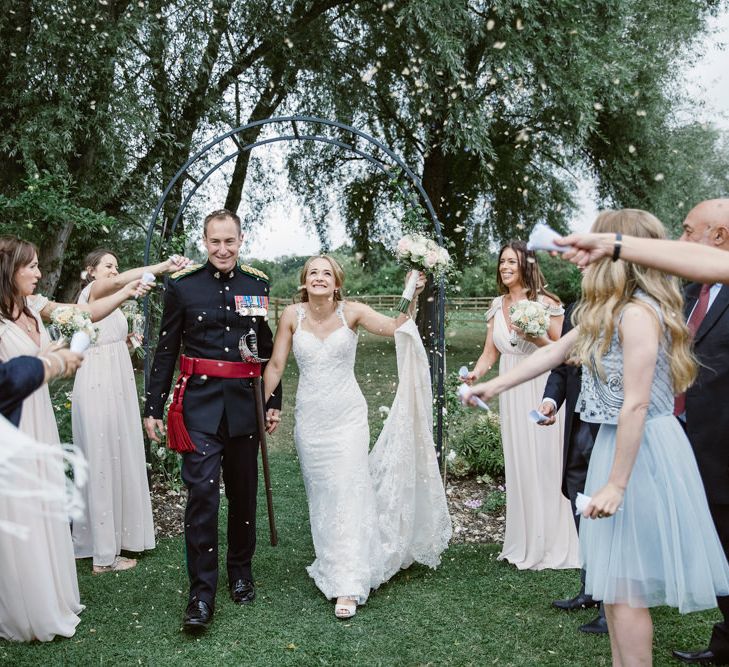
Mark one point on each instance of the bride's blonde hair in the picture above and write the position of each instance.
(607, 287)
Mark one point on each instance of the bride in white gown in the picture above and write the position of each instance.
(370, 514)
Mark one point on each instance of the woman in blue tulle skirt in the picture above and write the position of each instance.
(653, 542)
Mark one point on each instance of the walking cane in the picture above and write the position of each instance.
(249, 353)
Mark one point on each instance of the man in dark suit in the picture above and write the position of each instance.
(703, 409)
(563, 386)
(212, 421)
(21, 376)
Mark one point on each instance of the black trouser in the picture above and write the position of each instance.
(582, 439)
(719, 643)
(201, 474)
(578, 460)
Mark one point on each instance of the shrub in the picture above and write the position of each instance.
(478, 448)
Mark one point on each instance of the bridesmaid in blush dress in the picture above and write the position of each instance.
(540, 532)
(107, 428)
(39, 596)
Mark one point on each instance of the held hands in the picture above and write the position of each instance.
(154, 428)
(605, 502)
(273, 417)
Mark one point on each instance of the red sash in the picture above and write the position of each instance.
(178, 439)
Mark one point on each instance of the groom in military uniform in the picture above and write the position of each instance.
(212, 418)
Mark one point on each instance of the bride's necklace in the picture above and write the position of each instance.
(319, 321)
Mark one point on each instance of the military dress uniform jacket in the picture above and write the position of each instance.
(201, 315)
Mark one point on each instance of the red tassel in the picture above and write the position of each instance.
(178, 439)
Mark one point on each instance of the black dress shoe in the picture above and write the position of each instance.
(597, 626)
(581, 601)
(242, 591)
(705, 657)
(198, 617)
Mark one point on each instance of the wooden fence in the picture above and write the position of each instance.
(462, 309)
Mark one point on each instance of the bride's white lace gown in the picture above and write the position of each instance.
(371, 514)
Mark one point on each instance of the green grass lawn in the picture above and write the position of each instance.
(472, 611)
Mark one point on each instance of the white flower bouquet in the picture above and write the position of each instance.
(135, 320)
(419, 253)
(69, 321)
(531, 317)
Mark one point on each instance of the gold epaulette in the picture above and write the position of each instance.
(186, 271)
(252, 271)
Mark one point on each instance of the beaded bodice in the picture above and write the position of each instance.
(601, 398)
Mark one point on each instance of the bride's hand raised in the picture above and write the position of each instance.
(420, 285)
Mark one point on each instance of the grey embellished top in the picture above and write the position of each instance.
(601, 399)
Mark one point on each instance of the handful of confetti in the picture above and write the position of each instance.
(582, 501)
(542, 238)
(467, 400)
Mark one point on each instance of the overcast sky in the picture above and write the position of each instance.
(282, 233)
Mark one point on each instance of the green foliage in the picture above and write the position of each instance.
(45, 204)
(384, 275)
(499, 109)
(495, 501)
(478, 446)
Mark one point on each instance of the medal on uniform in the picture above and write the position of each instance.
(246, 305)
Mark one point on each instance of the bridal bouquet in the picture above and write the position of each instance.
(531, 317)
(135, 320)
(69, 321)
(419, 253)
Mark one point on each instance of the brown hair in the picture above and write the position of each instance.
(91, 261)
(221, 214)
(338, 277)
(14, 254)
(530, 274)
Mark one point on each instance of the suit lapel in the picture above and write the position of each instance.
(714, 313)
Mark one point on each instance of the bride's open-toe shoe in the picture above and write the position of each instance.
(119, 565)
(346, 608)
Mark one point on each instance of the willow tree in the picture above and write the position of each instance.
(503, 107)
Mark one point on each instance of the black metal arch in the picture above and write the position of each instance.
(436, 343)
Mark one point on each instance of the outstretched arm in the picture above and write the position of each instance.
(100, 308)
(540, 361)
(369, 319)
(102, 287)
(692, 261)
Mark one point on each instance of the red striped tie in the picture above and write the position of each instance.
(694, 322)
